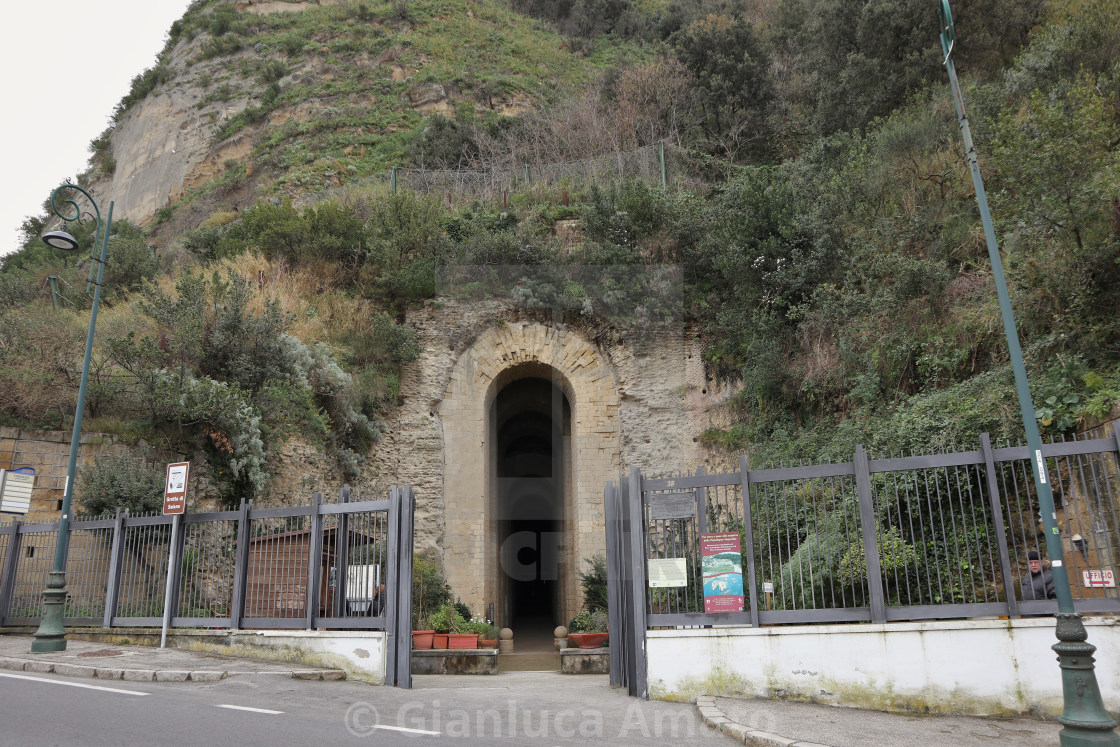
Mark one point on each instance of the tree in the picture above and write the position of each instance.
(655, 102)
(731, 68)
(857, 61)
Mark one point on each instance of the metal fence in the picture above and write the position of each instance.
(319, 566)
(659, 164)
(903, 538)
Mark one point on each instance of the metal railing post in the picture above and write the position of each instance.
(240, 568)
(341, 556)
(616, 625)
(869, 529)
(997, 524)
(393, 588)
(639, 685)
(8, 579)
(113, 582)
(403, 617)
(314, 561)
(748, 541)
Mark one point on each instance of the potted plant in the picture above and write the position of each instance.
(484, 632)
(422, 639)
(588, 629)
(444, 621)
(429, 592)
(488, 638)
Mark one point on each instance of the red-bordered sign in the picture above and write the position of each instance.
(175, 491)
(1103, 579)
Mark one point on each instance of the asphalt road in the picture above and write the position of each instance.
(265, 709)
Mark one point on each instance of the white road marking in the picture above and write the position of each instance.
(72, 684)
(247, 708)
(407, 730)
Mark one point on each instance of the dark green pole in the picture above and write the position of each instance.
(53, 280)
(393, 179)
(51, 635)
(1084, 718)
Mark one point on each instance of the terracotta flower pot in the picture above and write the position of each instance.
(422, 639)
(588, 640)
(462, 640)
(440, 640)
(487, 642)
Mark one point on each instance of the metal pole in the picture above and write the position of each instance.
(393, 179)
(175, 521)
(1084, 718)
(661, 158)
(51, 634)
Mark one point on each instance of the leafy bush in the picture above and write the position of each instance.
(589, 621)
(593, 581)
(447, 619)
(115, 481)
(430, 591)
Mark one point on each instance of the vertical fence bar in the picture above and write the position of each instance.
(997, 525)
(868, 527)
(314, 561)
(614, 594)
(638, 530)
(748, 540)
(240, 568)
(8, 579)
(341, 555)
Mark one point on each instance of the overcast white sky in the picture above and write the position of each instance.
(66, 64)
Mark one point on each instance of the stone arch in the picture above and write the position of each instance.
(498, 357)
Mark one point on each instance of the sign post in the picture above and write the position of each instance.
(174, 504)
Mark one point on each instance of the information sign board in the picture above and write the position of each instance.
(667, 573)
(175, 492)
(721, 565)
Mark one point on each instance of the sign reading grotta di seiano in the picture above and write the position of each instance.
(175, 492)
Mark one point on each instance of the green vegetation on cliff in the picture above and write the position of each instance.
(827, 231)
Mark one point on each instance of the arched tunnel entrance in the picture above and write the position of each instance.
(531, 423)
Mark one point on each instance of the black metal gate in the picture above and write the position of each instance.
(398, 627)
(626, 582)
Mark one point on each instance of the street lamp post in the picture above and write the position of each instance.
(1084, 719)
(51, 635)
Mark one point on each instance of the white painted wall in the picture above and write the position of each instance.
(981, 667)
(360, 653)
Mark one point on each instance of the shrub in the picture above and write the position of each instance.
(594, 582)
(123, 482)
(589, 621)
(430, 591)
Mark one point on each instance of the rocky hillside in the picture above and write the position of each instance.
(275, 100)
(819, 214)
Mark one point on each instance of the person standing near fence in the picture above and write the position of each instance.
(1040, 583)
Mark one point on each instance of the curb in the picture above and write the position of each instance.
(39, 666)
(711, 715)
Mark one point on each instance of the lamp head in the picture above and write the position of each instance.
(60, 240)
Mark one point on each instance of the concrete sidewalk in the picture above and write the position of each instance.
(143, 663)
(784, 723)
